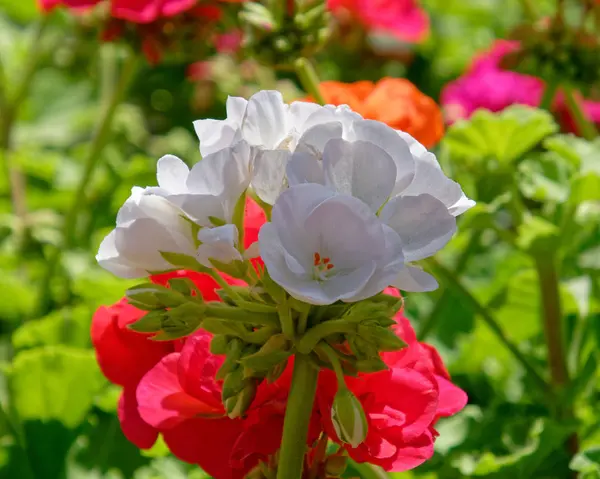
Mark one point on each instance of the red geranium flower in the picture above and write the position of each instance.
(401, 404)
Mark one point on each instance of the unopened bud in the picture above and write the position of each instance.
(144, 296)
(348, 417)
(273, 352)
(371, 365)
(336, 465)
(237, 405)
(149, 323)
(383, 338)
(219, 343)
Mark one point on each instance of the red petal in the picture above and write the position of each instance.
(162, 402)
(207, 443)
(123, 355)
(451, 398)
(133, 426)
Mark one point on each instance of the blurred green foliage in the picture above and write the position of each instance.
(537, 191)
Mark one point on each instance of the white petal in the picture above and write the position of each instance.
(108, 258)
(299, 112)
(344, 229)
(388, 267)
(289, 215)
(236, 107)
(218, 243)
(172, 174)
(201, 207)
(141, 242)
(329, 113)
(268, 174)
(345, 285)
(388, 139)
(304, 168)
(227, 168)
(264, 122)
(359, 169)
(430, 179)
(416, 148)
(314, 139)
(423, 223)
(415, 280)
(252, 251)
(216, 134)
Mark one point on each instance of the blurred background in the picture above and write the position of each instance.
(90, 99)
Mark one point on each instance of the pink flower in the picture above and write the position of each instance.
(486, 85)
(402, 404)
(402, 18)
(181, 398)
(146, 11)
(565, 117)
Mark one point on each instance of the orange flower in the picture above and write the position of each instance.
(394, 101)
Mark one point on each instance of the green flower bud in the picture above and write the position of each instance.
(144, 296)
(336, 465)
(236, 406)
(233, 354)
(371, 365)
(273, 352)
(149, 323)
(383, 338)
(219, 343)
(348, 417)
(233, 384)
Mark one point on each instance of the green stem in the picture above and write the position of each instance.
(548, 96)
(286, 321)
(220, 311)
(529, 10)
(335, 363)
(309, 341)
(309, 79)
(454, 282)
(303, 319)
(552, 318)
(99, 140)
(586, 128)
(431, 321)
(9, 108)
(297, 418)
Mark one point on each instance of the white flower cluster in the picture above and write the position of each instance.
(354, 202)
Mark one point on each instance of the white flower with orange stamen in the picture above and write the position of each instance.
(322, 246)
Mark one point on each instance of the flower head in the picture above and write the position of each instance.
(402, 18)
(393, 101)
(322, 247)
(162, 219)
(401, 404)
(487, 85)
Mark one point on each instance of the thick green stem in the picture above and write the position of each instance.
(586, 128)
(552, 319)
(99, 140)
(454, 282)
(553, 332)
(309, 79)
(297, 418)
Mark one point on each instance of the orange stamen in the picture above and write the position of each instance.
(317, 258)
(329, 266)
(326, 260)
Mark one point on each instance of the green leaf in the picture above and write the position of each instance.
(504, 136)
(587, 461)
(55, 382)
(69, 326)
(545, 177)
(538, 236)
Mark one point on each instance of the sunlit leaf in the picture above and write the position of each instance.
(503, 137)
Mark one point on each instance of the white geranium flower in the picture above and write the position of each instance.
(160, 219)
(275, 130)
(146, 225)
(396, 177)
(322, 247)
